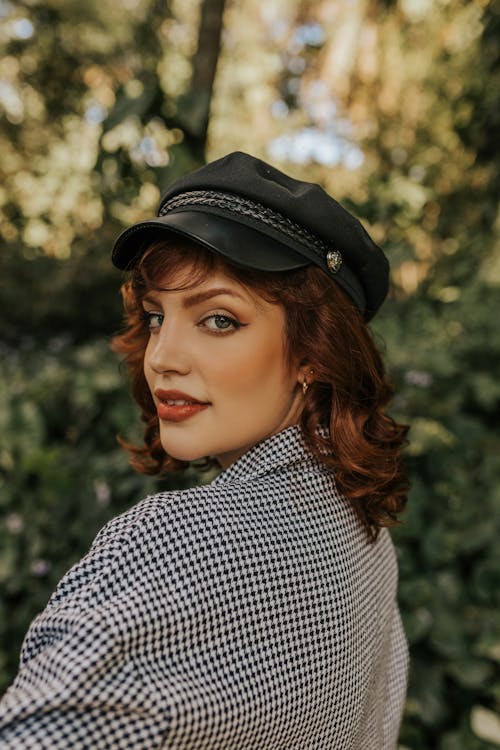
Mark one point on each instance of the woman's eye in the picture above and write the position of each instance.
(220, 323)
(153, 320)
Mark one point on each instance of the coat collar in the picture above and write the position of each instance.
(275, 453)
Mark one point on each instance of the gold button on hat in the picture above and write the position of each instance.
(333, 260)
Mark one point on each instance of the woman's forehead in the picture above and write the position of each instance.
(190, 275)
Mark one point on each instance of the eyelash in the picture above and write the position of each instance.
(235, 324)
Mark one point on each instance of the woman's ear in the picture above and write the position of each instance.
(305, 377)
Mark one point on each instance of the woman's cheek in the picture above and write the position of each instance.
(244, 362)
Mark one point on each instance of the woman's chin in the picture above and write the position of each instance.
(179, 454)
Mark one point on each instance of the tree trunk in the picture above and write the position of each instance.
(194, 107)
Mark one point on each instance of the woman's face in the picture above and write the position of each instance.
(215, 364)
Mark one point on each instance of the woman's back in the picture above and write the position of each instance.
(249, 613)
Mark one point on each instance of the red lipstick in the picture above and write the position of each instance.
(176, 406)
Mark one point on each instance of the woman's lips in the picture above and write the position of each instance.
(175, 406)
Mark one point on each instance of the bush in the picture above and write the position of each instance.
(448, 546)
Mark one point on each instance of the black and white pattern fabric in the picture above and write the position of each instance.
(249, 613)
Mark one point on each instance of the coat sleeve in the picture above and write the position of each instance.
(77, 686)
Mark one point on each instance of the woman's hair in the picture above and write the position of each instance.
(326, 332)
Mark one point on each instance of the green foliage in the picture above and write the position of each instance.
(449, 556)
(444, 348)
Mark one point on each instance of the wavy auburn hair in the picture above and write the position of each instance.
(325, 331)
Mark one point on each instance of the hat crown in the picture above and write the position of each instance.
(278, 221)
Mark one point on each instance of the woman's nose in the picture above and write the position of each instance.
(167, 351)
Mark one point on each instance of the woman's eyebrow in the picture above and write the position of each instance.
(151, 299)
(195, 299)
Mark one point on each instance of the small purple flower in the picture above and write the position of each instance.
(419, 378)
(14, 523)
(102, 492)
(40, 568)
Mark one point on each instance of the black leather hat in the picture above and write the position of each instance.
(258, 217)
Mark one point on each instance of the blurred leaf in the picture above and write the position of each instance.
(485, 724)
(471, 674)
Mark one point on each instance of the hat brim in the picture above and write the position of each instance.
(239, 243)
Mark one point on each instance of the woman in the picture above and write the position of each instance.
(257, 611)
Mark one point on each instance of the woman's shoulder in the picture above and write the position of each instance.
(124, 543)
(153, 509)
(172, 513)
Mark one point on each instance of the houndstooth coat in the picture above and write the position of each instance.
(250, 613)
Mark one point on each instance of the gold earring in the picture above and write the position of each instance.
(305, 384)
